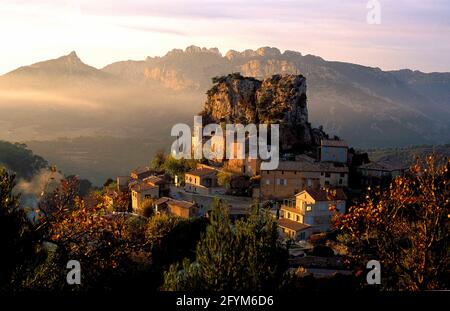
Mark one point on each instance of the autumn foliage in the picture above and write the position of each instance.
(405, 227)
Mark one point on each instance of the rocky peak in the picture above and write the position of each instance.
(193, 49)
(268, 52)
(232, 54)
(214, 51)
(261, 52)
(279, 99)
(172, 52)
(73, 54)
(71, 58)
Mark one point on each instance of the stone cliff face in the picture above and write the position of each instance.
(280, 99)
(232, 99)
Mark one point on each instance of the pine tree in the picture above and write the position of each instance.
(241, 256)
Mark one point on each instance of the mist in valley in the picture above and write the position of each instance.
(100, 123)
(95, 132)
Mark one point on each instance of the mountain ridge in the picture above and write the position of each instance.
(366, 105)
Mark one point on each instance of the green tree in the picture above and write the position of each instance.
(241, 256)
(158, 160)
(178, 167)
(172, 238)
(17, 239)
(19, 159)
(224, 179)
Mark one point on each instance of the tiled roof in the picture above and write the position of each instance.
(155, 180)
(173, 202)
(305, 158)
(182, 204)
(383, 165)
(333, 143)
(292, 225)
(162, 200)
(325, 195)
(202, 172)
(140, 170)
(142, 187)
(306, 166)
(290, 209)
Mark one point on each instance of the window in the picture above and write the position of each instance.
(282, 172)
(327, 183)
(308, 208)
(340, 181)
(297, 218)
(289, 215)
(327, 175)
(267, 181)
(281, 181)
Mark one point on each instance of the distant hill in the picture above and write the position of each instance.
(408, 155)
(20, 160)
(64, 72)
(367, 106)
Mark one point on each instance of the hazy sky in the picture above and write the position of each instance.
(413, 34)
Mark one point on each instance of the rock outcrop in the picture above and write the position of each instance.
(280, 99)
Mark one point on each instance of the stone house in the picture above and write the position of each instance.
(312, 212)
(141, 172)
(247, 166)
(161, 181)
(140, 192)
(292, 177)
(200, 180)
(379, 173)
(185, 209)
(333, 151)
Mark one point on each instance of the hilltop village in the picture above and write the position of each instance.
(318, 175)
